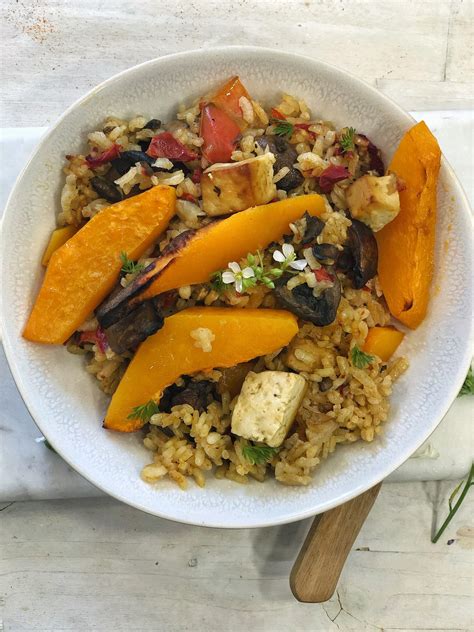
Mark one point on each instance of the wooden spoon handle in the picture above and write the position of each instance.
(315, 573)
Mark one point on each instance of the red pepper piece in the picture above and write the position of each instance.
(196, 176)
(106, 156)
(322, 274)
(331, 175)
(220, 134)
(276, 114)
(165, 145)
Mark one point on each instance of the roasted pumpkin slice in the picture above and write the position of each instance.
(229, 335)
(83, 271)
(212, 247)
(406, 245)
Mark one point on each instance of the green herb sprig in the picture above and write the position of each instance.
(360, 359)
(217, 283)
(259, 454)
(453, 508)
(283, 128)
(129, 266)
(468, 387)
(263, 275)
(347, 140)
(144, 412)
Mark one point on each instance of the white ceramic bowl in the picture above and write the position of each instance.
(67, 405)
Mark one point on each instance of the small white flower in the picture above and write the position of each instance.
(236, 275)
(228, 276)
(287, 257)
(299, 264)
(288, 250)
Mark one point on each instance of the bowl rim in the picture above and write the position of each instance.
(8, 343)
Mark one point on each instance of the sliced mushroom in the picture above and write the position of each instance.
(124, 299)
(314, 227)
(153, 124)
(320, 310)
(195, 394)
(106, 189)
(359, 258)
(128, 158)
(285, 155)
(326, 253)
(128, 332)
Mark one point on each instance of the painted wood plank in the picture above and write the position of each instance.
(96, 564)
(54, 52)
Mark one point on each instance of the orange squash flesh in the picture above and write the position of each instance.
(83, 271)
(406, 245)
(240, 335)
(383, 342)
(213, 246)
(58, 238)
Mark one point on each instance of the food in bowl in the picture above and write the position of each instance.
(231, 278)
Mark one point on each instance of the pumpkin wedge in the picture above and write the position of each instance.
(406, 245)
(212, 247)
(58, 238)
(84, 270)
(239, 335)
(383, 342)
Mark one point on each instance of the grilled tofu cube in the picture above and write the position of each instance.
(231, 187)
(374, 200)
(267, 406)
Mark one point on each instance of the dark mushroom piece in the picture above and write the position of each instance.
(320, 310)
(106, 189)
(359, 259)
(153, 124)
(146, 167)
(128, 159)
(285, 156)
(195, 394)
(134, 327)
(123, 300)
(326, 253)
(314, 227)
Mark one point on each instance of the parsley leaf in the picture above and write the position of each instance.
(217, 283)
(144, 412)
(468, 387)
(129, 266)
(359, 358)
(347, 140)
(283, 128)
(258, 454)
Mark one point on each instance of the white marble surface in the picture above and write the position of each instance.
(94, 564)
